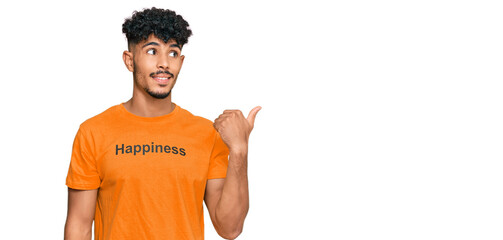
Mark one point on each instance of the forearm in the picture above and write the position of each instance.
(77, 231)
(233, 205)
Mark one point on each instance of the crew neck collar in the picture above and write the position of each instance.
(161, 118)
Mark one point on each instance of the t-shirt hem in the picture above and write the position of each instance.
(217, 176)
(81, 186)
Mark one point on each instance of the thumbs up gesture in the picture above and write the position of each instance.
(235, 129)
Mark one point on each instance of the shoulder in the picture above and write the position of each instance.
(188, 119)
(101, 119)
(192, 119)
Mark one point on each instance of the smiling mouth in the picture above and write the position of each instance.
(161, 80)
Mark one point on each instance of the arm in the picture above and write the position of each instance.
(227, 198)
(81, 208)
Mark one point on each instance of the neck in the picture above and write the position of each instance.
(144, 105)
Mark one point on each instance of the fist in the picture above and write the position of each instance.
(235, 129)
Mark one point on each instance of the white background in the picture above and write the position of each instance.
(380, 119)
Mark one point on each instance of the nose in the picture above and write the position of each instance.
(162, 61)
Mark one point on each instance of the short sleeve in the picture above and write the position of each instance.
(219, 158)
(82, 173)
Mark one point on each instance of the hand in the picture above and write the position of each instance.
(235, 129)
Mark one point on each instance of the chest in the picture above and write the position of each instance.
(150, 159)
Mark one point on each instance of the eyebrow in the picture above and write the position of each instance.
(157, 44)
(175, 45)
(150, 43)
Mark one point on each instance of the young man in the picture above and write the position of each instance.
(141, 169)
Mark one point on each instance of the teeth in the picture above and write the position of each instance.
(162, 78)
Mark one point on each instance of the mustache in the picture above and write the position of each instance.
(161, 72)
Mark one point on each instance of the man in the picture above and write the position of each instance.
(141, 169)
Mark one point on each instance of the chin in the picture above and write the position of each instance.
(158, 93)
(160, 96)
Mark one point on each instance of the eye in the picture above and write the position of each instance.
(173, 54)
(151, 51)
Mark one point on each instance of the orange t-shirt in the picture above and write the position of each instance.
(150, 172)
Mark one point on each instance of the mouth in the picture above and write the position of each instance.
(162, 79)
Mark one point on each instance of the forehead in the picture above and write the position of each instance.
(152, 40)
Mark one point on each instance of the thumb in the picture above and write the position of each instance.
(252, 115)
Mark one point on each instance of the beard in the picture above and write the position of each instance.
(157, 95)
(160, 95)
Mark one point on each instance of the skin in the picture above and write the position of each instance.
(143, 59)
(227, 198)
(80, 216)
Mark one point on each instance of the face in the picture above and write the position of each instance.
(155, 66)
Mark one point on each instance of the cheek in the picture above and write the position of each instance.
(176, 66)
(141, 67)
(140, 74)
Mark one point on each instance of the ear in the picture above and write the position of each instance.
(127, 56)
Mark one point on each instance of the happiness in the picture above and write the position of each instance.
(148, 148)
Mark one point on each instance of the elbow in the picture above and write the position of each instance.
(231, 235)
(231, 226)
(76, 230)
(231, 231)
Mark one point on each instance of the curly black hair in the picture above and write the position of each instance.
(163, 23)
